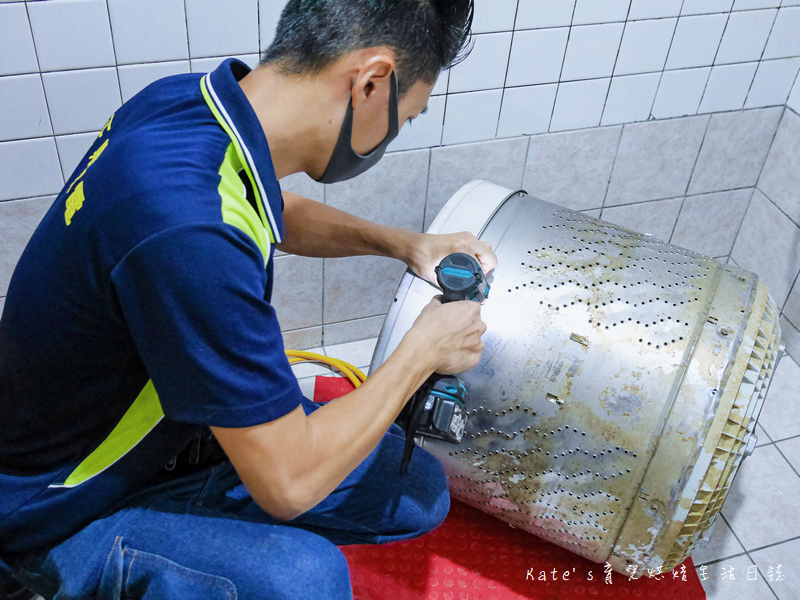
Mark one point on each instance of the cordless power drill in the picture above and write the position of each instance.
(437, 409)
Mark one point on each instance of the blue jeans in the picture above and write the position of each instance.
(203, 537)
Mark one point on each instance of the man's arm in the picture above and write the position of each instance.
(315, 229)
(291, 464)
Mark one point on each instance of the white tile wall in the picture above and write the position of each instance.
(745, 36)
(794, 98)
(699, 7)
(269, 12)
(535, 14)
(784, 41)
(222, 28)
(523, 48)
(134, 78)
(29, 168)
(494, 15)
(23, 109)
(485, 67)
(644, 46)
(425, 130)
(537, 56)
(579, 104)
(440, 87)
(527, 110)
(538, 66)
(773, 82)
(72, 148)
(752, 4)
(592, 51)
(471, 117)
(696, 41)
(81, 100)
(727, 87)
(17, 54)
(654, 9)
(680, 92)
(148, 30)
(600, 11)
(631, 98)
(71, 34)
(205, 65)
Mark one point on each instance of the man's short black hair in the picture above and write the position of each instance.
(427, 36)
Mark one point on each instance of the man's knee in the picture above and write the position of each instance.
(432, 494)
(290, 564)
(311, 567)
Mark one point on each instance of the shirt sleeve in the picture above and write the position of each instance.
(193, 298)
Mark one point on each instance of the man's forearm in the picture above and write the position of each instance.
(315, 229)
(317, 452)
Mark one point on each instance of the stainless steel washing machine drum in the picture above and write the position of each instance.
(620, 384)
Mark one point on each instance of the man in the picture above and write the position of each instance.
(139, 315)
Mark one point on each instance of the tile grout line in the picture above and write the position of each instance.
(766, 546)
(747, 552)
(744, 215)
(791, 466)
(791, 288)
(778, 207)
(427, 190)
(771, 144)
(46, 100)
(188, 45)
(666, 58)
(114, 50)
(794, 83)
(561, 70)
(224, 56)
(714, 60)
(508, 64)
(613, 166)
(665, 119)
(691, 175)
(258, 24)
(525, 163)
(760, 59)
(444, 110)
(774, 593)
(616, 59)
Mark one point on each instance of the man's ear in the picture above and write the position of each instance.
(374, 77)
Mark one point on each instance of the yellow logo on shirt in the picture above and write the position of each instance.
(74, 202)
(76, 198)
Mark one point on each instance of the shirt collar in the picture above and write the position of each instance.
(242, 124)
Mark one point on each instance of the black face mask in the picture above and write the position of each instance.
(346, 163)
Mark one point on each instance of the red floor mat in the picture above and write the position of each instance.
(474, 556)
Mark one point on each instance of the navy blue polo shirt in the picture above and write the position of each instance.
(139, 312)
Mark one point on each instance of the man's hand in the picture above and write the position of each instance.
(450, 335)
(429, 249)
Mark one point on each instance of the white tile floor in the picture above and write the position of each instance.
(754, 551)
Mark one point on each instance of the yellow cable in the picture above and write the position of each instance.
(353, 374)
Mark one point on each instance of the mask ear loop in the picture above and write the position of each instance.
(345, 163)
(394, 118)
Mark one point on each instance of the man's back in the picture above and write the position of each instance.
(105, 300)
